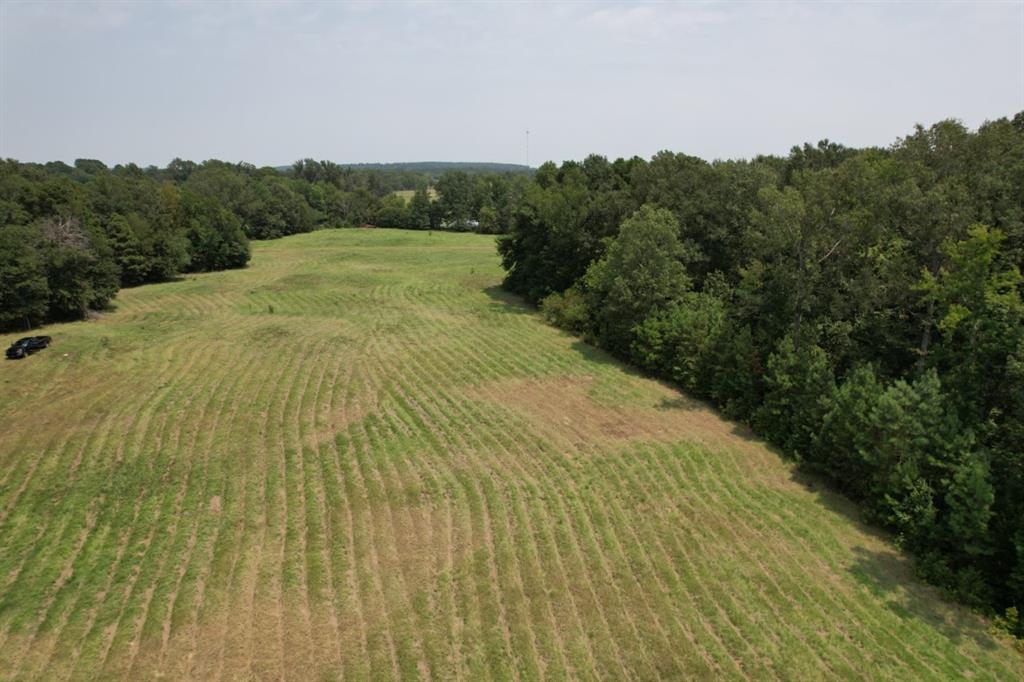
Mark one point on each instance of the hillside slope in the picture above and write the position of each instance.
(358, 458)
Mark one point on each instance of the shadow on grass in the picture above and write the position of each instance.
(890, 577)
(827, 496)
(679, 401)
(506, 302)
(602, 357)
(179, 277)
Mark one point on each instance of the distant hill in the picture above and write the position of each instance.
(441, 166)
(437, 167)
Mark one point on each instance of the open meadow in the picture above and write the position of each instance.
(407, 194)
(358, 458)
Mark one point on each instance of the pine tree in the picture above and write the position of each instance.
(799, 390)
(838, 451)
(127, 251)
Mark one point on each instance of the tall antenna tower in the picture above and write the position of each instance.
(527, 148)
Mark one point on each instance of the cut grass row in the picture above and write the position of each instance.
(357, 459)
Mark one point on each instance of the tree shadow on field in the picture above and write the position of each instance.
(170, 279)
(602, 357)
(680, 399)
(506, 302)
(889, 573)
(890, 577)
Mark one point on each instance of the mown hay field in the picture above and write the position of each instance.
(407, 194)
(359, 459)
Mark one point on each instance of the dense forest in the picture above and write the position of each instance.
(860, 308)
(71, 236)
(436, 168)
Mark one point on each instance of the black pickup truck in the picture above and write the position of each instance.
(27, 346)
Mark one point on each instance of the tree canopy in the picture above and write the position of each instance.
(861, 308)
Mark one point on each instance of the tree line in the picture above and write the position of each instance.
(72, 235)
(860, 308)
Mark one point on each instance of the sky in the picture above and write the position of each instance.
(272, 82)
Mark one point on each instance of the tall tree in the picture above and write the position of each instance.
(24, 292)
(643, 270)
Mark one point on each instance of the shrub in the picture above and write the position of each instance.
(567, 310)
(677, 342)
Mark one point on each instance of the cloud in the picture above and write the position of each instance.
(69, 16)
(640, 22)
(273, 81)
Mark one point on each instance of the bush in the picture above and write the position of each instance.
(567, 310)
(678, 342)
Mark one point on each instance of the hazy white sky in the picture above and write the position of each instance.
(270, 82)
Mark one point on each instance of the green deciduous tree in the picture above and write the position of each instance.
(678, 341)
(24, 292)
(455, 196)
(215, 236)
(166, 241)
(642, 271)
(419, 210)
(80, 273)
(393, 212)
(980, 314)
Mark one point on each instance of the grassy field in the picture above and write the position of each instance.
(359, 459)
(407, 194)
